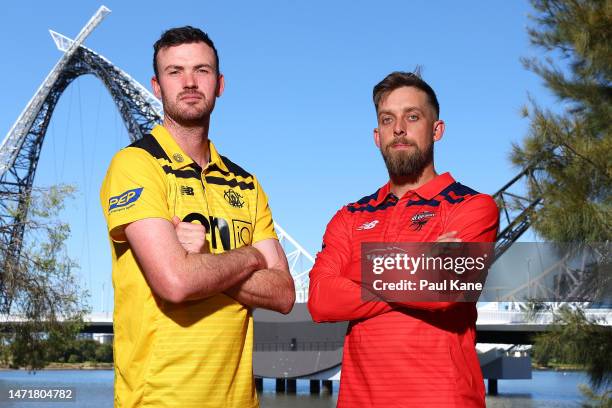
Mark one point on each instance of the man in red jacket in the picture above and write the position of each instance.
(404, 354)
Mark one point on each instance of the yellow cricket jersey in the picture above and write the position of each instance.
(197, 353)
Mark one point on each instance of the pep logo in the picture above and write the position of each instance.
(124, 199)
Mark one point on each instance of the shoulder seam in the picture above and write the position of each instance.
(234, 168)
(149, 144)
(364, 199)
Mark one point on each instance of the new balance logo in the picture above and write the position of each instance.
(185, 190)
(367, 225)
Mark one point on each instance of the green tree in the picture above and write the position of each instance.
(574, 339)
(40, 288)
(104, 353)
(571, 149)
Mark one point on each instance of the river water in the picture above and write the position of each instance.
(94, 388)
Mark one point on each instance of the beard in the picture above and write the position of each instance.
(187, 115)
(405, 164)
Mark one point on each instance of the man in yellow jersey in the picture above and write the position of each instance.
(193, 247)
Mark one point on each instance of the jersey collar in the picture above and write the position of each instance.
(435, 186)
(427, 191)
(178, 158)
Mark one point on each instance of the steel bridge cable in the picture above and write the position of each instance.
(68, 121)
(95, 135)
(85, 243)
(53, 133)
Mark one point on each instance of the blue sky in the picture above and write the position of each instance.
(297, 108)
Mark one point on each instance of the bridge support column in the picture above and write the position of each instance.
(328, 386)
(259, 384)
(280, 385)
(291, 386)
(492, 386)
(315, 386)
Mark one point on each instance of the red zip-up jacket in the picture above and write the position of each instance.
(405, 354)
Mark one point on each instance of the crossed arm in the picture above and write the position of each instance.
(257, 276)
(334, 296)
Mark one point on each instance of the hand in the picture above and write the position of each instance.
(258, 258)
(449, 237)
(191, 236)
(446, 250)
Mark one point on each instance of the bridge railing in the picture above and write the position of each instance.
(299, 346)
(301, 295)
(517, 317)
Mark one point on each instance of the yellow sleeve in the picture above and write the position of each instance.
(134, 188)
(264, 226)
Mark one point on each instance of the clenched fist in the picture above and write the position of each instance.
(191, 236)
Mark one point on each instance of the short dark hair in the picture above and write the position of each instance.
(399, 79)
(182, 35)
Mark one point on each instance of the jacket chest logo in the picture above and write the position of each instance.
(419, 220)
(186, 190)
(233, 198)
(367, 225)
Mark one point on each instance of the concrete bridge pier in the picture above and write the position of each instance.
(492, 386)
(315, 386)
(328, 386)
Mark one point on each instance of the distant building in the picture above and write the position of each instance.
(103, 338)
